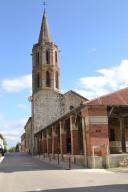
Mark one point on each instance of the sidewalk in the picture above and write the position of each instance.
(65, 166)
(61, 164)
(119, 170)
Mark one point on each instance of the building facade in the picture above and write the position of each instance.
(69, 125)
(95, 134)
(23, 142)
(28, 136)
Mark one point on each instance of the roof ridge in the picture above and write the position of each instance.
(76, 94)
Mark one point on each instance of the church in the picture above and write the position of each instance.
(94, 133)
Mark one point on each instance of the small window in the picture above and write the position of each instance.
(57, 80)
(37, 58)
(47, 57)
(48, 81)
(112, 135)
(56, 56)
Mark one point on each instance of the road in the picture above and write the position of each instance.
(20, 172)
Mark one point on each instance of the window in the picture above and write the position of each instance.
(112, 135)
(37, 58)
(48, 81)
(57, 80)
(38, 80)
(56, 57)
(47, 57)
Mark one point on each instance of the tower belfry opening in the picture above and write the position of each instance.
(45, 59)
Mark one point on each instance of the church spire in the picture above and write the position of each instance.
(45, 60)
(45, 35)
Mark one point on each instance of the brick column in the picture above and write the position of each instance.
(44, 142)
(63, 148)
(40, 144)
(49, 141)
(96, 133)
(54, 141)
(74, 136)
(122, 135)
(35, 145)
(84, 136)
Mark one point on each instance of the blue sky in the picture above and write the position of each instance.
(93, 39)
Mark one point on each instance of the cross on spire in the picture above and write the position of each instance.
(44, 4)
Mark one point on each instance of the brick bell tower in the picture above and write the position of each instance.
(46, 96)
(45, 57)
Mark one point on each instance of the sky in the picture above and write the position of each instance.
(93, 39)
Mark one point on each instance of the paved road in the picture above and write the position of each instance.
(21, 173)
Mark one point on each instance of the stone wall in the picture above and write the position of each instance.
(72, 99)
(47, 107)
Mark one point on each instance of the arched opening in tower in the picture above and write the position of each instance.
(48, 80)
(57, 80)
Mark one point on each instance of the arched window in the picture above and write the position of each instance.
(37, 58)
(57, 80)
(47, 57)
(56, 56)
(38, 80)
(48, 81)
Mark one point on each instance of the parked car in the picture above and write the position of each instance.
(1, 150)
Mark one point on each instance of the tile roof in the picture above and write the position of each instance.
(119, 97)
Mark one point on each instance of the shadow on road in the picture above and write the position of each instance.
(19, 162)
(104, 188)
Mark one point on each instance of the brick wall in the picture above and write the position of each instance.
(96, 129)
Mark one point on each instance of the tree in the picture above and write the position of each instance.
(5, 145)
(12, 149)
(4, 142)
(18, 147)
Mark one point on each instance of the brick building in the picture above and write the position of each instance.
(69, 124)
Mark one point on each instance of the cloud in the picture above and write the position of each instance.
(21, 106)
(107, 80)
(12, 130)
(17, 84)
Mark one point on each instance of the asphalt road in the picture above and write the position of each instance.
(21, 173)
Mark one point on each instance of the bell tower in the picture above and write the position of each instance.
(45, 61)
(46, 96)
